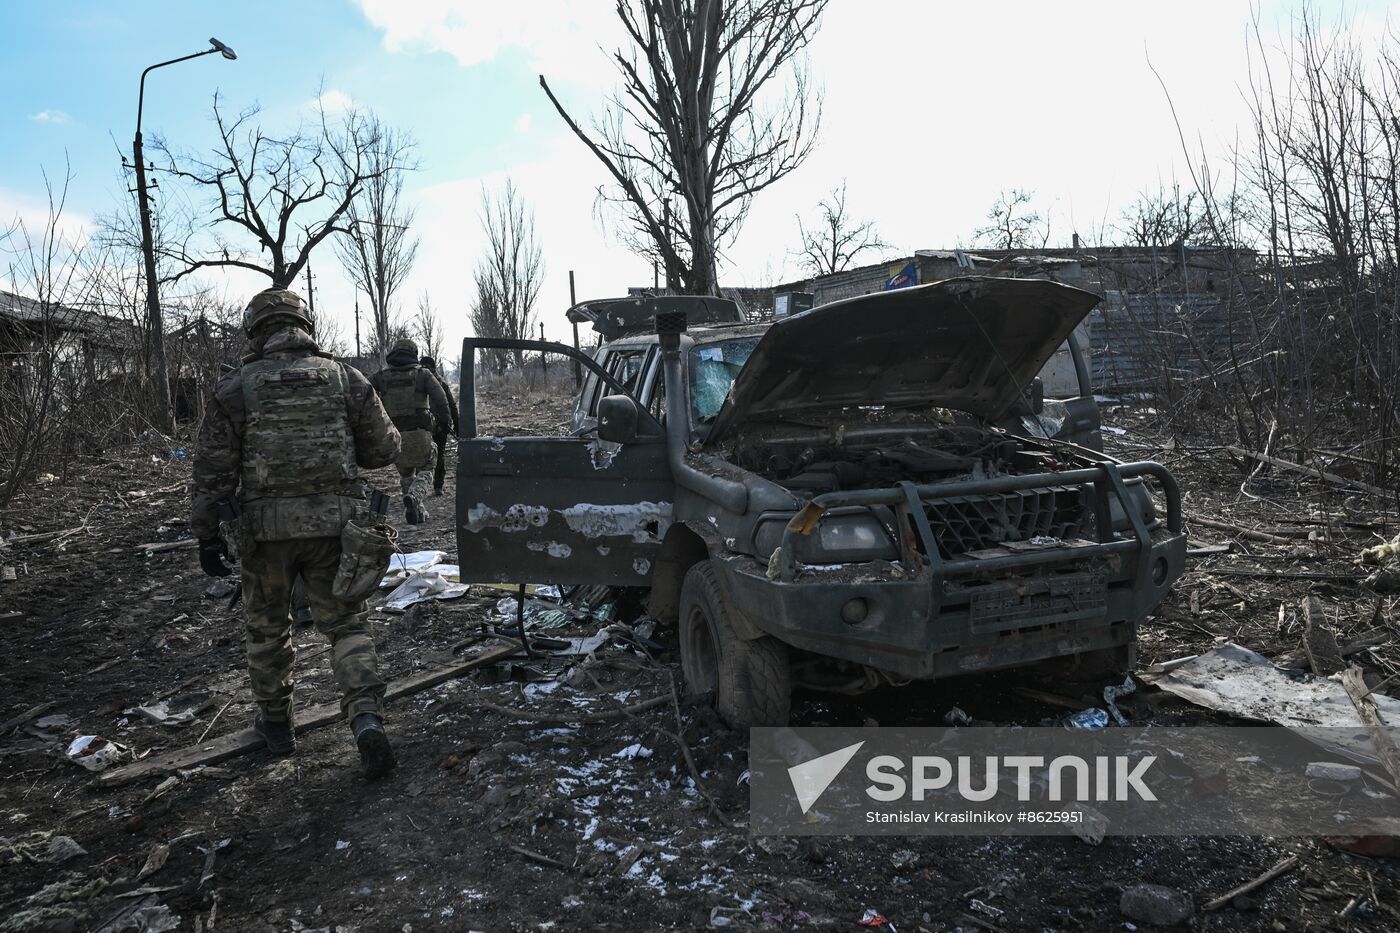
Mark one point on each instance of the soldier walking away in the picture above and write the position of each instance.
(282, 438)
(414, 398)
(440, 428)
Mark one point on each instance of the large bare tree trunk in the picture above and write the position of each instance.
(714, 108)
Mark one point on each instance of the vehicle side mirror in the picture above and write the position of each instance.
(617, 419)
(1032, 401)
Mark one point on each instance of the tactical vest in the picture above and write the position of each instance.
(405, 396)
(298, 450)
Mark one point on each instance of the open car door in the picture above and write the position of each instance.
(567, 510)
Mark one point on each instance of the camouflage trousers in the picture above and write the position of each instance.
(269, 572)
(415, 463)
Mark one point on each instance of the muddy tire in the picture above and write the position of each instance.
(751, 681)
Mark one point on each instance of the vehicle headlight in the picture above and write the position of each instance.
(851, 534)
(839, 537)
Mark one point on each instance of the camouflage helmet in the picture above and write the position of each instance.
(274, 304)
(405, 343)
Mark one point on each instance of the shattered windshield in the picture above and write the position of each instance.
(713, 367)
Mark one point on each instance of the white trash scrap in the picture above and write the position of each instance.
(421, 576)
(1235, 680)
(95, 753)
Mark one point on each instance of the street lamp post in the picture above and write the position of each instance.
(154, 321)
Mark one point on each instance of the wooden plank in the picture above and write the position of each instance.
(1332, 478)
(157, 547)
(33, 712)
(1381, 732)
(1284, 865)
(1324, 657)
(316, 717)
(1239, 531)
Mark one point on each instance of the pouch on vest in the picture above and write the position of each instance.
(416, 448)
(364, 559)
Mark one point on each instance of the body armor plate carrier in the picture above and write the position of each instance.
(405, 396)
(299, 471)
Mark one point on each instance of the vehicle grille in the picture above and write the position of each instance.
(970, 523)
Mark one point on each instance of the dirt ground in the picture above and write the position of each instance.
(497, 823)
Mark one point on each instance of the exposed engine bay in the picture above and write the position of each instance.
(875, 456)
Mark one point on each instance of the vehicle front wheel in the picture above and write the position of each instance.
(751, 680)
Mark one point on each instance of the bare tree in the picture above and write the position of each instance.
(509, 276)
(1164, 218)
(1012, 223)
(833, 243)
(284, 194)
(427, 330)
(715, 106)
(486, 322)
(376, 247)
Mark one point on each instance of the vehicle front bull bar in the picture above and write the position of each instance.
(917, 542)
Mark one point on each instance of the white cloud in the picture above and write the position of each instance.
(333, 101)
(51, 116)
(560, 37)
(522, 123)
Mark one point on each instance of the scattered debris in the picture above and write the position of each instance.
(95, 753)
(1284, 865)
(1237, 681)
(317, 717)
(160, 714)
(1333, 771)
(1111, 695)
(1091, 718)
(437, 582)
(1156, 904)
(39, 847)
(1386, 559)
(155, 861)
(956, 717)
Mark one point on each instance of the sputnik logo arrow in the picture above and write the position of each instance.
(811, 778)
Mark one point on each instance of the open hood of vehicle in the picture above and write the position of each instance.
(622, 317)
(971, 343)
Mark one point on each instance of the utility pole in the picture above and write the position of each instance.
(544, 360)
(310, 295)
(357, 327)
(578, 367)
(155, 321)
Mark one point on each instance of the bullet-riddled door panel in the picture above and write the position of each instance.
(560, 510)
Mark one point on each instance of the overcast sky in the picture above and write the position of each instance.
(931, 109)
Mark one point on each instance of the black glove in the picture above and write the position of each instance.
(212, 552)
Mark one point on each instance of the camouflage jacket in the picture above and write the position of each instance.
(451, 403)
(219, 462)
(429, 403)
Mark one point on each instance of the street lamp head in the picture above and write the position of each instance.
(223, 50)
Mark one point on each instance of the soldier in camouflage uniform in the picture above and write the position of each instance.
(285, 433)
(414, 398)
(440, 429)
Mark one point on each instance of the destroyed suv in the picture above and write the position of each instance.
(868, 492)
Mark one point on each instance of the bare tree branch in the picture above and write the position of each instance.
(715, 107)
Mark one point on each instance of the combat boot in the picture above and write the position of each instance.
(437, 490)
(413, 511)
(278, 735)
(376, 757)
